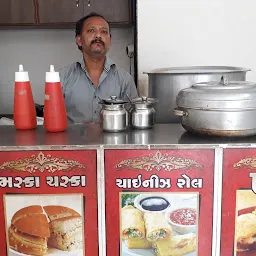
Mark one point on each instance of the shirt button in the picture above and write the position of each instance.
(95, 112)
(95, 97)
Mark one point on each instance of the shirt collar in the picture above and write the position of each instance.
(109, 63)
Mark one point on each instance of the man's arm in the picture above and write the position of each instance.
(130, 89)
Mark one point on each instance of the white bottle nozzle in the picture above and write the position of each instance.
(52, 76)
(51, 68)
(21, 68)
(21, 75)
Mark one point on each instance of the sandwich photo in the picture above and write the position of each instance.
(25, 237)
(246, 232)
(42, 229)
(245, 226)
(157, 224)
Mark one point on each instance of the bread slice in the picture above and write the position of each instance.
(73, 244)
(26, 211)
(40, 227)
(66, 233)
(57, 212)
(25, 243)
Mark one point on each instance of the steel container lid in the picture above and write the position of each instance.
(223, 95)
(113, 100)
(144, 100)
(198, 70)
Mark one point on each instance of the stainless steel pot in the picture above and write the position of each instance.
(165, 84)
(142, 113)
(221, 109)
(113, 115)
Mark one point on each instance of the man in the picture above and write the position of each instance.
(95, 75)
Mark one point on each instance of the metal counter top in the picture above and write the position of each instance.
(92, 135)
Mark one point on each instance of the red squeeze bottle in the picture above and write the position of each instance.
(24, 113)
(55, 115)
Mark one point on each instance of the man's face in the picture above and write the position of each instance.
(95, 37)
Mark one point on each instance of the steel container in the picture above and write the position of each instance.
(113, 115)
(165, 84)
(220, 109)
(142, 113)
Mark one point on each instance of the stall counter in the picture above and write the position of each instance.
(88, 192)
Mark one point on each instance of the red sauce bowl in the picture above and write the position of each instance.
(183, 220)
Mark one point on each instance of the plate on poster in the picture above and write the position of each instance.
(51, 252)
(145, 252)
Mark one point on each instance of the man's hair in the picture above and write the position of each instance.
(80, 23)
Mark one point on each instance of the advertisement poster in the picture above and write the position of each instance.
(159, 202)
(238, 218)
(48, 203)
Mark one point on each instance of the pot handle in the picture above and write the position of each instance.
(224, 80)
(178, 112)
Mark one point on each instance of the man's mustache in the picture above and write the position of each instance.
(99, 41)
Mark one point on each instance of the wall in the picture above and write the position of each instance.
(37, 49)
(195, 32)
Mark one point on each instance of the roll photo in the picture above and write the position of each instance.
(158, 224)
(45, 224)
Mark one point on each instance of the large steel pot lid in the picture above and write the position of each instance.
(214, 95)
(198, 70)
